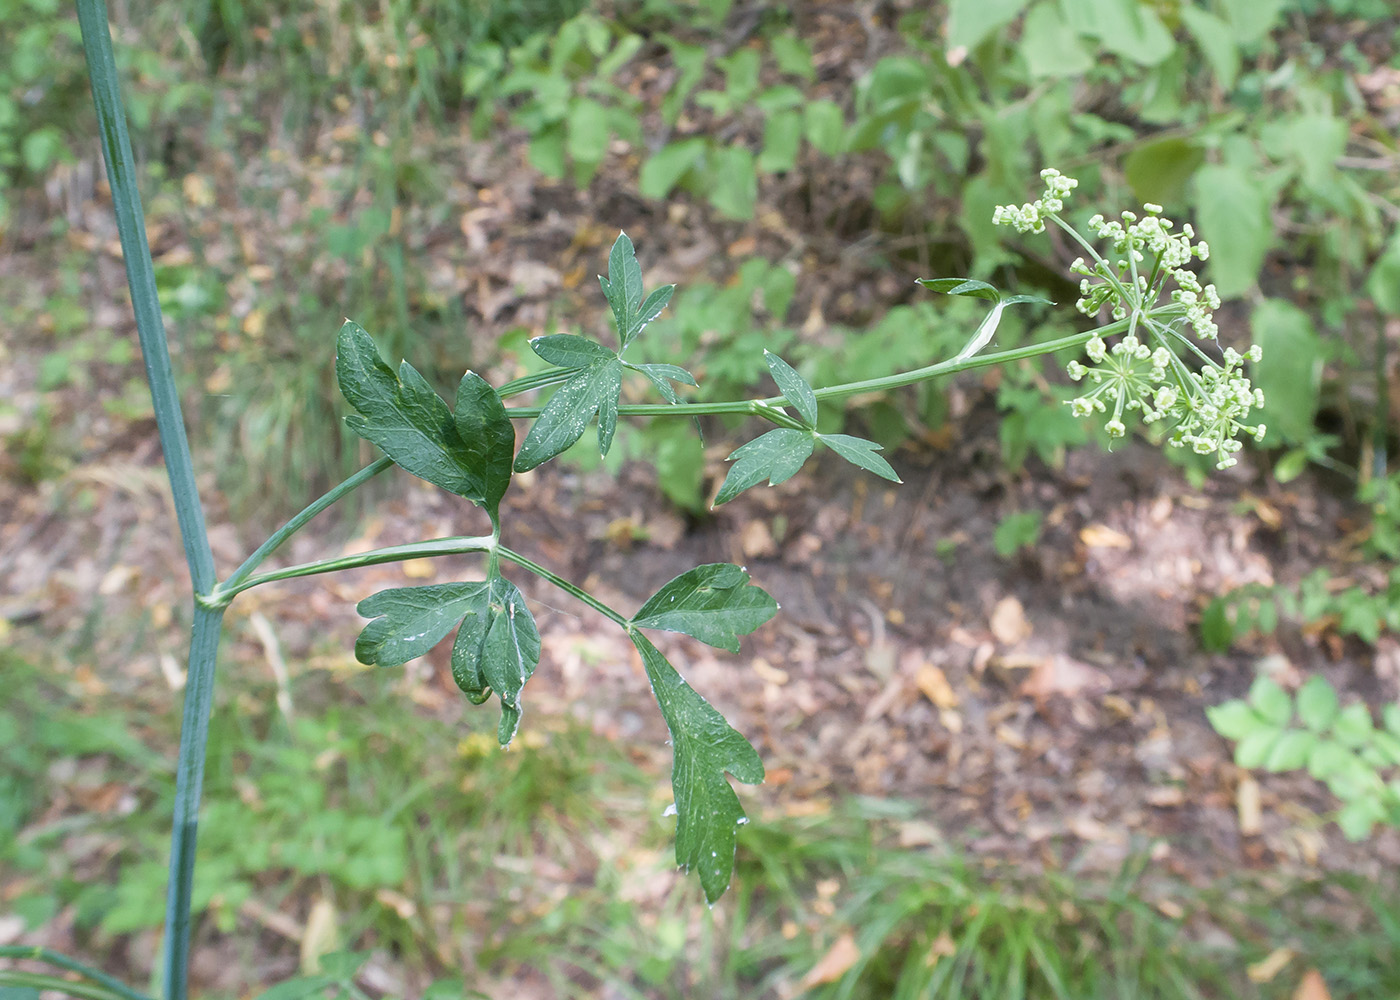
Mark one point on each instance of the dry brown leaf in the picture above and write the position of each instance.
(935, 687)
(942, 947)
(757, 540)
(768, 672)
(1312, 987)
(321, 936)
(418, 569)
(1249, 806)
(833, 965)
(1264, 970)
(1064, 675)
(1101, 536)
(1008, 622)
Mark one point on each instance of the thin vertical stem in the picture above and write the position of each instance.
(141, 277)
(189, 783)
(165, 397)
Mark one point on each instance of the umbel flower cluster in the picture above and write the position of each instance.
(1161, 309)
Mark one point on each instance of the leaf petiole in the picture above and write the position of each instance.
(222, 594)
(564, 585)
(765, 407)
(337, 492)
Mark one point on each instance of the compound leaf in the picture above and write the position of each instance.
(487, 435)
(793, 387)
(409, 621)
(708, 814)
(497, 649)
(568, 351)
(594, 389)
(775, 456)
(715, 603)
(861, 452)
(404, 417)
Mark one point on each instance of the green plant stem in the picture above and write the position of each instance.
(234, 582)
(456, 545)
(141, 278)
(564, 585)
(765, 407)
(165, 399)
(189, 783)
(114, 987)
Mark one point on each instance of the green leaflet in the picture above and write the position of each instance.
(569, 351)
(775, 456)
(594, 389)
(497, 649)
(659, 375)
(623, 289)
(403, 416)
(488, 437)
(980, 289)
(861, 452)
(409, 621)
(793, 387)
(715, 603)
(708, 814)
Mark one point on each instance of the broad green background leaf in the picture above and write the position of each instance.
(1271, 701)
(793, 56)
(793, 387)
(735, 190)
(1383, 283)
(488, 436)
(665, 168)
(861, 452)
(588, 135)
(566, 350)
(404, 417)
(1317, 704)
(497, 647)
(594, 389)
(782, 137)
(1050, 46)
(970, 21)
(1232, 209)
(1216, 43)
(1289, 372)
(1131, 29)
(825, 127)
(1160, 171)
(705, 746)
(775, 456)
(715, 603)
(1233, 719)
(1251, 19)
(409, 621)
